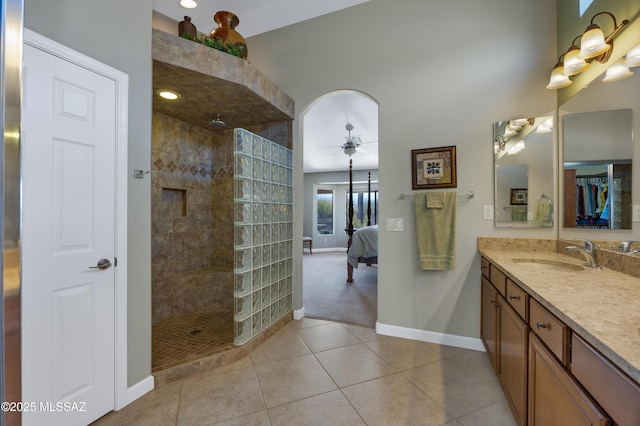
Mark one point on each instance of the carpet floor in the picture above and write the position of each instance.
(327, 295)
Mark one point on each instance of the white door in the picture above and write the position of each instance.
(68, 315)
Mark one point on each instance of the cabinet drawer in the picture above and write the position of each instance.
(550, 329)
(614, 391)
(498, 279)
(484, 266)
(517, 298)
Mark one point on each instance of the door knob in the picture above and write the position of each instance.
(102, 264)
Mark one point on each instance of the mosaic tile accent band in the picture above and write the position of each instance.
(263, 233)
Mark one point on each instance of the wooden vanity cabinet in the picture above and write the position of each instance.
(529, 350)
(498, 279)
(615, 391)
(555, 398)
(489, 318)
(514, 336)
(553, 332)
(504, 332)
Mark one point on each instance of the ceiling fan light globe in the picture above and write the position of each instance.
(349, 150)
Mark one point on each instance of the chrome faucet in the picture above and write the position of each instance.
(588, 252)
(625, 246)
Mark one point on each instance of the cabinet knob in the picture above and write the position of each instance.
(540, 325)
(512, 297)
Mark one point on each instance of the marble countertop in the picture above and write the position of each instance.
(601, 305)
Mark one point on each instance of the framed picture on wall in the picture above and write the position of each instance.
(433, 168)
(519, 196)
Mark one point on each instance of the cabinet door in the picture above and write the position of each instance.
(489, 322)
(514, 335)
(554, 397)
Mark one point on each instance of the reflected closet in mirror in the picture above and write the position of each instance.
(597, 169)
(523, 160)
(597, 125)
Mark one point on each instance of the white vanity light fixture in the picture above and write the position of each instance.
(573, 63)
(545, 127)
(558, 80)
(633, 57)
(519, 122)
(594, 46)
(617, 71)
(516, 148)
(188, 4)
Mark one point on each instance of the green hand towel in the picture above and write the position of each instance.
(436, 230)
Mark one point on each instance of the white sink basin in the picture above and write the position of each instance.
(550, 265)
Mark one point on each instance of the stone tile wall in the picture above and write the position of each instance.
(192, 218)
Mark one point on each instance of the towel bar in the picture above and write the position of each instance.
(468, 194)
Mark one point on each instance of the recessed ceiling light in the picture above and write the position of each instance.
(188, 4)
(168, 94)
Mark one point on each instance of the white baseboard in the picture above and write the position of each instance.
(136, 391)
(327, 249)
(430, 336)
(298, 314)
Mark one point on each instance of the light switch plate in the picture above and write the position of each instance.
(636, 213)
(487, 212)
(529, 216)
(395, 224)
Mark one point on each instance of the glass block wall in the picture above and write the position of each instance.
(263, 222)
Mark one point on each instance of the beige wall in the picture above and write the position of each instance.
(89, 26)
(442, 73)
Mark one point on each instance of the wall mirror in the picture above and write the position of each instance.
(598, 149)
(596, 139)
(523, 159)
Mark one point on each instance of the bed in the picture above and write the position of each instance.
(362, 246)
(363, 249)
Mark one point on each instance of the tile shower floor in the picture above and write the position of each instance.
(184, 338)
(314, 372)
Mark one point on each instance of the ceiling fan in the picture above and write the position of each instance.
(352, 145)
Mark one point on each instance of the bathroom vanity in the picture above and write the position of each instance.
(563, 338)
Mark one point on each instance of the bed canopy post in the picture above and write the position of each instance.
(350, 224)
(369, 200)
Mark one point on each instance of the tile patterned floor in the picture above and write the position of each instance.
(315, 372)
(184, 338)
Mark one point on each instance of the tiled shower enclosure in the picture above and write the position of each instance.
(221, 239)
(263, 228)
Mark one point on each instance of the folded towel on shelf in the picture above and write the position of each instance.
(436, 230)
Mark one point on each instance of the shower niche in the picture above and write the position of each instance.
(221, 208)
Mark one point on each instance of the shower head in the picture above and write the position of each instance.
(217, 123)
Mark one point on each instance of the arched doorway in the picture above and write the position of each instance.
(329, 124)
